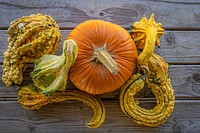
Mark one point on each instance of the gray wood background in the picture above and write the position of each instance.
(180, 47)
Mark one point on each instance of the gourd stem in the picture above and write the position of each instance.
(101, 55)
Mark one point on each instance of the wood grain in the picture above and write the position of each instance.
(185, 80)
(177, 47)
(72, 116)
(180, 47)
(172, 13)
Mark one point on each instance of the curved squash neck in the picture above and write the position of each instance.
(149, 46)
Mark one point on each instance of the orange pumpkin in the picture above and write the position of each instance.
(106, 56)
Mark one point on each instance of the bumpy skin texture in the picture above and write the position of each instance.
(31, 99)
(29, 38)
(146, 34)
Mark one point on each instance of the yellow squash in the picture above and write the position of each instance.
(146, 33)
(29, 38)
(31, 99)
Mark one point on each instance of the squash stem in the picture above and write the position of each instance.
(102, 56)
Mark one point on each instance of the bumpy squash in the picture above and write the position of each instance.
(106, 56)
(146, 33)
(29, 38)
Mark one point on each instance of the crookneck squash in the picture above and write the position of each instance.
(106, 56)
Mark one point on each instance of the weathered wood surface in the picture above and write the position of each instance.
(72, 117)
(176, 46)
(180, 47)
(185, 80)
(172, 13)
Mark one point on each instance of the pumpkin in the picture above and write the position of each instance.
(106, 56)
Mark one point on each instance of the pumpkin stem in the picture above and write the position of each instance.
(102, 56)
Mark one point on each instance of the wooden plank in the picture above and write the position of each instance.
(72, 116)
(172, 13)
(180, 47)
(185, 80)
(176, 46)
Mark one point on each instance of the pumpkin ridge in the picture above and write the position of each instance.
(85, 52)
(96, 28)
(106, 80)
(78, 67)
(83, 78)
(88, 42)
(113, 80)
(107, 36)
(87, 30)
(124, 58)
(125, 55)
(103, 70)
(112, 42)
(90, 79)
(98, 77)
(76, 75)
(85, 57)
(116, 47)
(104, 32)
(124, 77)
(81, 43)
(120, 76)
(125, 67)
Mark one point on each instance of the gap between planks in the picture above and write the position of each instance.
(113, 99)
(128, 28)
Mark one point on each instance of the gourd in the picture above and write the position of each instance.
(50, 80)
(146, 33)
(31, 99)
(51, 71)
(106, 56)
(30, 37)
(101, 57)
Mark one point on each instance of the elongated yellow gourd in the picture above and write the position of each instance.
(146, 33)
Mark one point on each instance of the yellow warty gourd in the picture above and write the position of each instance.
(146, 34)
(29, 38)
